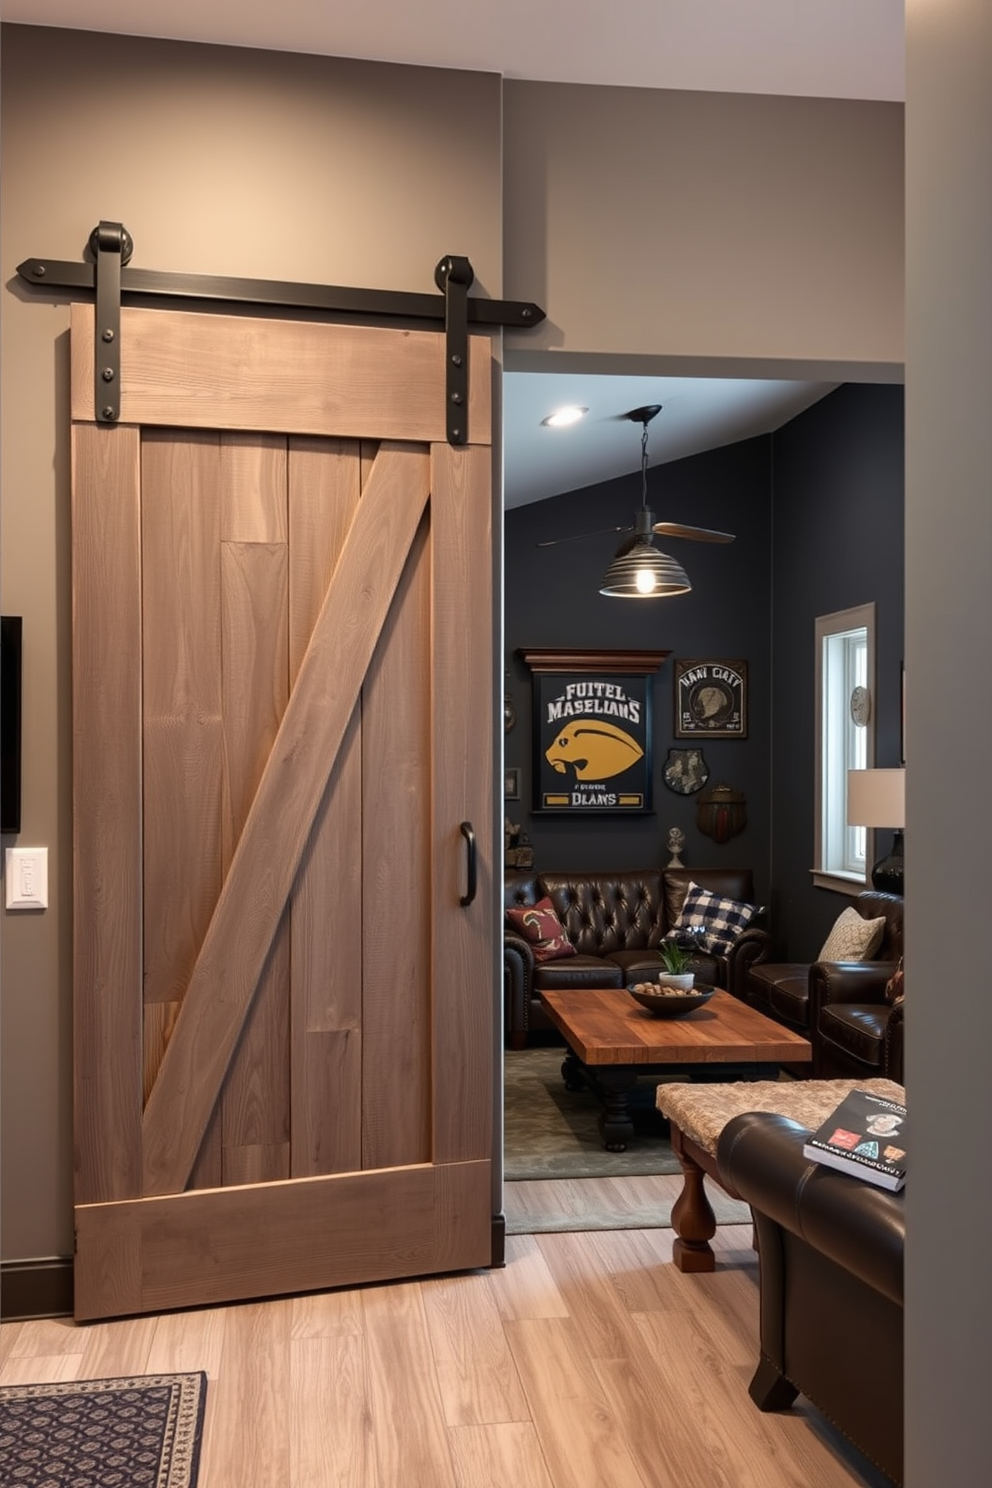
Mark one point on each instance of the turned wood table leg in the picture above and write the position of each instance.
(615, 1125)
(692, 1217)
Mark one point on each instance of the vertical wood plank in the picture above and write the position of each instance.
(253, 487)
(107, 868)
(255, 1106)
(462, 785)
(324, 492)
(396, 780)
(255, 1118)
(182, 703)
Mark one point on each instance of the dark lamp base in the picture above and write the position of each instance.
(886, 876)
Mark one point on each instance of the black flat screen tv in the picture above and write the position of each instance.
(11, 627)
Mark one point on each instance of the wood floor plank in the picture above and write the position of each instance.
(499, 1455)
(117, 1349)
(476, 1374)
(41, 1336)
(327, 1315)
(594, 1302)
(188, 1341)
(39, 1369)
(10, 1334)
(689, 1377)
(411, 1443)
(331, 1431)
(525, 1288)
(246, 1432)
(582, 1442)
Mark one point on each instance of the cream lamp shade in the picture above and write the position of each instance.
(876, 798)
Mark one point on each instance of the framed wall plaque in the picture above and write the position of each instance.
(592, 730)
(711, 699)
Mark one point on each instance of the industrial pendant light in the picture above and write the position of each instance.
(640, 570)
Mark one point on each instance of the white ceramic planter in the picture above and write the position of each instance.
(684, 983)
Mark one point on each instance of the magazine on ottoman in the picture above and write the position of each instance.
(866, 1137)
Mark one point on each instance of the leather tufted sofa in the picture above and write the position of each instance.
(831, 1250)
(616, 921)
(840, 1005)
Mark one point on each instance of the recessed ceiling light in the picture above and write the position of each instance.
(562, 417)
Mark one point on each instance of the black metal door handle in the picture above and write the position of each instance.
(469, 835)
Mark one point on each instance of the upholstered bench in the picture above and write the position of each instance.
(697, 1115)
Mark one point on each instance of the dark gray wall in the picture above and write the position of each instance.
(837, 536)
(552, 599)
(818, 509)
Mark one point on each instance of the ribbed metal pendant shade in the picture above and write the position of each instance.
(644, 573)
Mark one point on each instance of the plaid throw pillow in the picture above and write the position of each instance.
(539, 924)
(714, 923)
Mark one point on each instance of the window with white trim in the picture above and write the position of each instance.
(845, 660)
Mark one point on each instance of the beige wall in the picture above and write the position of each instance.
(949, 724)
(307, 168)
(687, 227)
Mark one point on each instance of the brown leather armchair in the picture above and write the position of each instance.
(831, 1312)
(794, 993)
(616, 921)
(856, 1031)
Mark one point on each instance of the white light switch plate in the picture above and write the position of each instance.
(26, 875)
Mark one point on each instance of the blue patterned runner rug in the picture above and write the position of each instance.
(142, 1432)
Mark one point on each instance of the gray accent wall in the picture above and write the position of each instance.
(837, 538)
(552, 599)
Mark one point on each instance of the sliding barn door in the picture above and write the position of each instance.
(282, 642)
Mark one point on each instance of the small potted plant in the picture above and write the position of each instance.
(676, 960)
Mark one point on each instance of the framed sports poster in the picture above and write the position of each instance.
(592, 730)
(711, 699)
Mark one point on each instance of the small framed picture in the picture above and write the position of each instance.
(710, 699)
(511, 784)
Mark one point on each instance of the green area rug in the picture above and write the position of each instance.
(551, 1132)
(142, 1432)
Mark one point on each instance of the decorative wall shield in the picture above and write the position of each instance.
(721, 813)
(686, 771)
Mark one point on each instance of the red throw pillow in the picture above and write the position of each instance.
(539, 924)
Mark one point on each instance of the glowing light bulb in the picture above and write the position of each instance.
(646, 581)
(563, 417)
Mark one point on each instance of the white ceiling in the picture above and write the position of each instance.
(817, 48)
(697, 413)
(813, 48)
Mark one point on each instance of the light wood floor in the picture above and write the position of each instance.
(588, 1362)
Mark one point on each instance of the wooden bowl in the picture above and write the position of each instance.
(664, 1004)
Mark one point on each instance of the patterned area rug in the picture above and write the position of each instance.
(551, 1132)
(111, 1433)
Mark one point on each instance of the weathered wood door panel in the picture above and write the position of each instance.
(282, 714)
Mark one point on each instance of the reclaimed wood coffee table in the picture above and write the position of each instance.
(613, 1041)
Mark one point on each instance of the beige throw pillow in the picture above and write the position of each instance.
(853, 938)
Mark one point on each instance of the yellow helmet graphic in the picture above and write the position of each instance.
(597, 750)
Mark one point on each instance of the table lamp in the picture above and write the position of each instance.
(877, 798)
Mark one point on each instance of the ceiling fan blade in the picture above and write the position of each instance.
(552, 542)
(695, 534)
